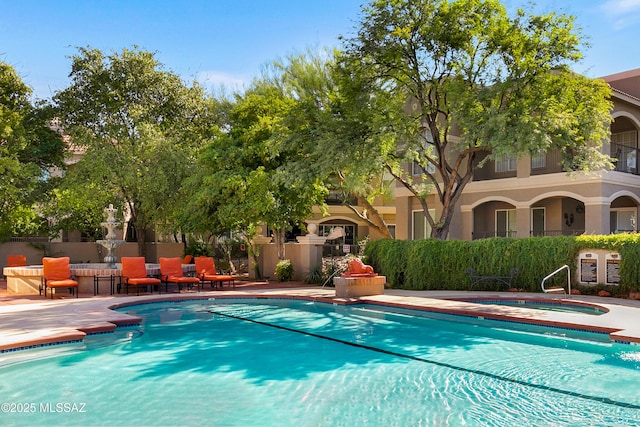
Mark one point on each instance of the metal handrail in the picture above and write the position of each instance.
(334, 274)
(555, 272)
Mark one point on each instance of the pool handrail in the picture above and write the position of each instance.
(556, 290)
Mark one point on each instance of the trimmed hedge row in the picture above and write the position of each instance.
(441, 264)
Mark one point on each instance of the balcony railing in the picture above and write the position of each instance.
(338, 198)
(625, 158)
(541, 233)
(537, 233)
(488, 234)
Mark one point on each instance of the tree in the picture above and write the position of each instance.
(463, 81)
(242, 179)
(140, 127)
(332, 131)
(28, 147)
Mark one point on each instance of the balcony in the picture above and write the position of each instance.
(339, 198)
(541, 233)
(492, 233)
(625, 158)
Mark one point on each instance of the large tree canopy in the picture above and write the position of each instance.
(332, 130)
(28, 146)
(243, 180)
(140, 127)
(473, 83)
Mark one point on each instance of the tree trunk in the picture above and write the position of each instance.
(372, 216)
(279, 236)
(140, 238)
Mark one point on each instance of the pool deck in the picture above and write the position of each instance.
(31, 320)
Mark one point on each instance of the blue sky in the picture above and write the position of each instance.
(227, 42)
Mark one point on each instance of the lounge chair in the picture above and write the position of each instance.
(16, 260)
(57, 274)
(187, 259)
(134, 273)
(171, 272)
(206, 269)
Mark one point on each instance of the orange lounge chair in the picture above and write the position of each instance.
(206, 269)
(16, 260)
(134, 273)
(57, 274)
(187, 259)
(171, 272)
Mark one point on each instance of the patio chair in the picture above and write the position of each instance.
(134, 273)
(187, 259)
(171, 272)
(56, 273)
(16, 260)
(206, 269)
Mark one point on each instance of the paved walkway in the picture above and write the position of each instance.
(28, 320)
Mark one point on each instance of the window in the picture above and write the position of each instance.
(537, 221)
(624, 144)
(420, 227)
(349, 233)
(628, 138)
(506, 223)
(622, 220)
(427, 140)
(417, 170)
(506, 163)
(539, 161)
(392, 230)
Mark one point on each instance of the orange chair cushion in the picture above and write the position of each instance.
(171, 267)
(133, 268)
(16, 260)
(56, 268)
(68, 283)
(205, 265)
(187, 259)
(141, 281)
(182, 279)
(171, 271)
(218, 277)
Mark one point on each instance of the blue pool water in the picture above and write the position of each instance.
(292, 363)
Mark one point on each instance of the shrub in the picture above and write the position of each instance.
(315, 275)
(438, 264)
(284, 270)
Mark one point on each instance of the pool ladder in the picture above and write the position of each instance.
(558, 290)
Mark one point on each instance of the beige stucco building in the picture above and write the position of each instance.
(532, 196)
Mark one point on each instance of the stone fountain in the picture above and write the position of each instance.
(110, 242)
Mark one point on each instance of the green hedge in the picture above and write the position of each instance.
(436, 264)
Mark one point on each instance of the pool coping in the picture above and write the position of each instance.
(28, 323)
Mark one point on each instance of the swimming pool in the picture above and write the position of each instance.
(296, 363)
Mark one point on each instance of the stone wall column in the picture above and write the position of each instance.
(597, 219)
(310, 252)
(523, 221)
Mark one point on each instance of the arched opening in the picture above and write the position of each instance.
(557, 216)
(624, 145)
(342, 244)
(623, 215)
(494, 219)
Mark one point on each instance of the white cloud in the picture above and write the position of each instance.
(214, 80)
(622, 13)
(619, 7)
